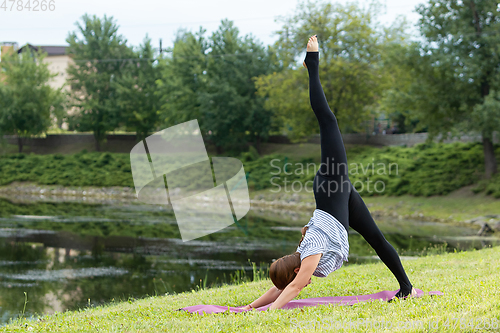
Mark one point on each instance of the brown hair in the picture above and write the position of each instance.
(281, 271)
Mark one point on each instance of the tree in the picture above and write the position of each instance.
(183, 78)
(286, 94)
(485, 119)
(136, 92)
(212, 80)
(26, 99)
(351, 67)
(455, 69)
(400, 79)
(60, 107)
(100, 55)
(231, 109)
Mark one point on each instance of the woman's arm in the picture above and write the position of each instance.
(307, 268)
(268, 297)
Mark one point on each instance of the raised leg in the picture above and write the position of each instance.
(331, 185)
(333, 155)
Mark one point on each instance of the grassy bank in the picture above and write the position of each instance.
(468, 280)
(440, 182)
(458, 206)
(422, 170)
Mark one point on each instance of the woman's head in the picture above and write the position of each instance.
(283, 270)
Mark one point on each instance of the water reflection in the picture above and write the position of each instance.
(67, 256)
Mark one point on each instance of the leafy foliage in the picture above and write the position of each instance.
(210, 79)
(453, 70)
(422, 170)
(136, 92)
(26, 99)
(99, 55)
(82, 169)
(352, 67)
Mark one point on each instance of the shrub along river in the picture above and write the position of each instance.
(70, 255)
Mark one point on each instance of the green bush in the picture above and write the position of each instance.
(82, 169)
(423, 170)
(250, 155)
(491, 187)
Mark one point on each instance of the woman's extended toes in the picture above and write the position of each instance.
(312, 44)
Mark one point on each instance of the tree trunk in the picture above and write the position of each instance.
(490, 162)
(97, 143)
(143, 134)
(98, 137)
(139, 136)
(20, 144)
(257, 144)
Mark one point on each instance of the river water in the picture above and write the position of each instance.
(68, 255)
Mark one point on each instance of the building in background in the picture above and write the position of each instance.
(58, 62)
(7, 47)
(57, 59)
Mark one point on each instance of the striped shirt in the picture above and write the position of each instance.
(326, 235)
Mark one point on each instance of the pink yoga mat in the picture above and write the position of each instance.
(299, 303)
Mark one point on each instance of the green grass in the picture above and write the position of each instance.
(427, 169)
(469, 281)
(440, 181)
(421, 170)
(458, 206)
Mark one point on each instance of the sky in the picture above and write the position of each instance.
(161, 19)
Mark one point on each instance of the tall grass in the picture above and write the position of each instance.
(469, 281)
(239, 276)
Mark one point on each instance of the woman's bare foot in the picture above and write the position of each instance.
(247, 307)
(312, 46)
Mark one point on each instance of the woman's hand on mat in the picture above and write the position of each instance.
(247, 307)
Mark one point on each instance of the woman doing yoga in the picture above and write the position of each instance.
(324, 245)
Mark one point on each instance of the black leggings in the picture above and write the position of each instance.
(334, 192)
